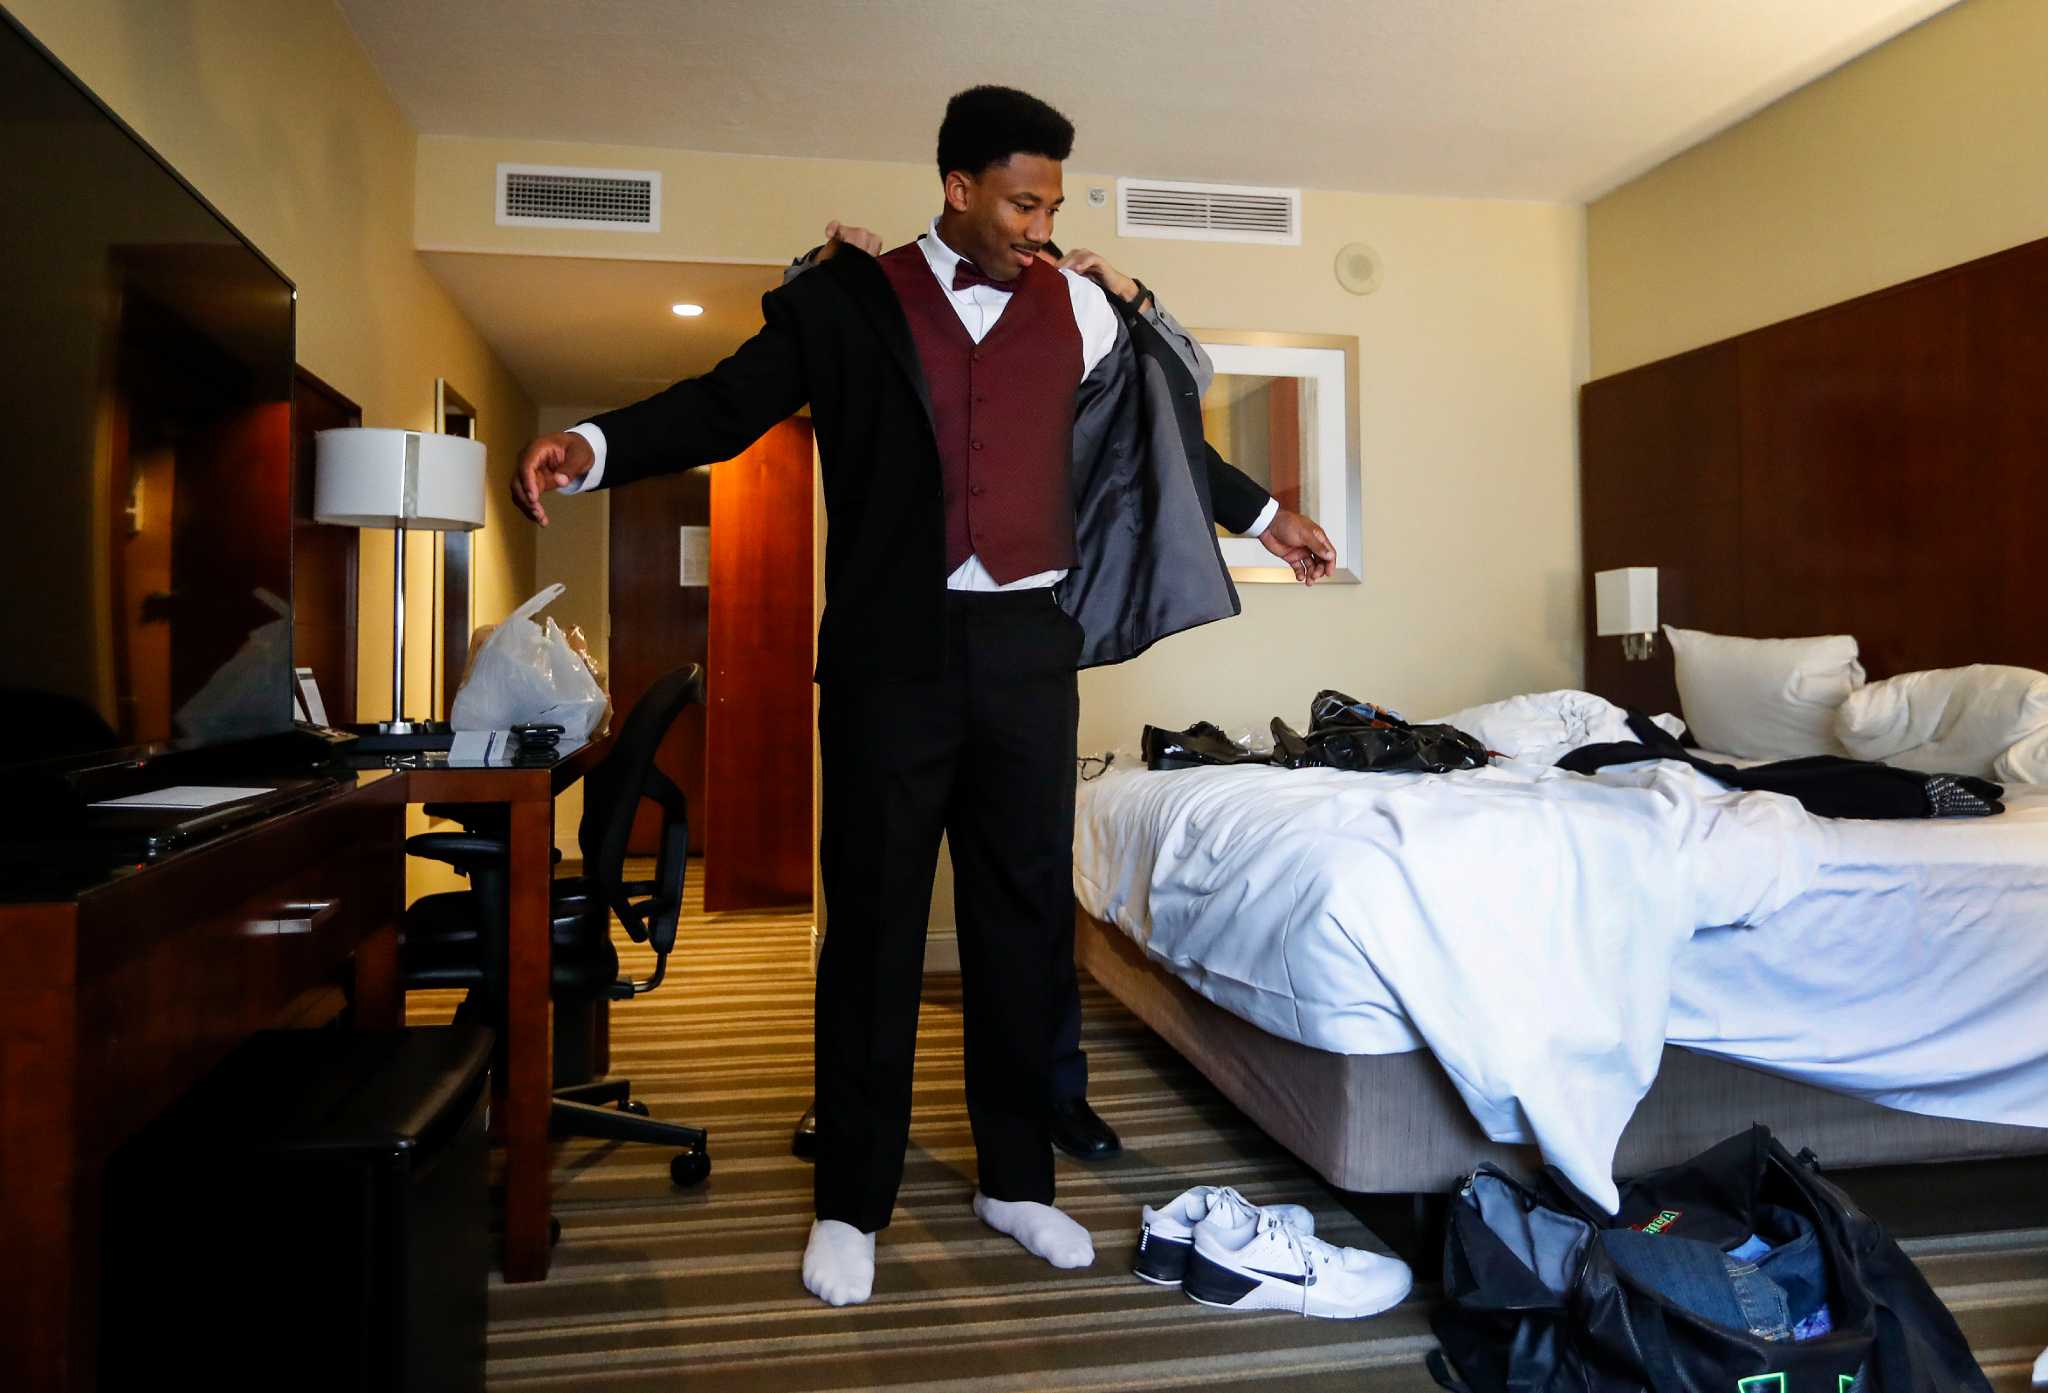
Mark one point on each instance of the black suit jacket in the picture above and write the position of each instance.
(837, 338)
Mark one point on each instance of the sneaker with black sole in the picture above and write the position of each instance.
(1167, 1234)
(1264, 1265)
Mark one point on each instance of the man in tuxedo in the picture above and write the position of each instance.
(1009, 496)
(1240, 505)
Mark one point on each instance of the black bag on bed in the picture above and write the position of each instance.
(1345, 733)
(1545, 1293)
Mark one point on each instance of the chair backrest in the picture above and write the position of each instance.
(612, 793)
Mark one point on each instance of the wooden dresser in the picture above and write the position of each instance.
(120, 994)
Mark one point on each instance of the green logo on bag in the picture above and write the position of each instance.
(1664, 1220)
(1761, 1383)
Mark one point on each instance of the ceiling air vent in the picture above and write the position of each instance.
(1208, 212)
(618, 200)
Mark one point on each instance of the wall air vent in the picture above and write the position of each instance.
(615, 200)
(1208, 212)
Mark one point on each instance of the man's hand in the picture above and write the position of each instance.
(1083, 262)
(553, 462)
(1297, 540)
(837, 232)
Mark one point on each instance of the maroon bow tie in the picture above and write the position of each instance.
(966, 273)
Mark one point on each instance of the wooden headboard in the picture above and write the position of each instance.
(1876, 468)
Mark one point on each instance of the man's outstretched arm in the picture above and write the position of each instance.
(700, 420)
(1241, 504)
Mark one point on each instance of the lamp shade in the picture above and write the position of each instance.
(413, 479)
(1625, 601)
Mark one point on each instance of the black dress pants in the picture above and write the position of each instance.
(983, 753)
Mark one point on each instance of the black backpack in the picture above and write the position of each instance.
(1537, 1303)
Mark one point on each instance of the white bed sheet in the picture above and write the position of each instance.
(1904, 962)
(1912, 972)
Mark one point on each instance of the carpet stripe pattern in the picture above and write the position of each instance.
(656, 1288)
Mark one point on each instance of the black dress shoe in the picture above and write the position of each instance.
(1077, 1131)
(804, 1145)
(1202, 743)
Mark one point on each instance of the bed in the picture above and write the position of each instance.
(1885, 999)
(1849, 471)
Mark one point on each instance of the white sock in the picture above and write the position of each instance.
(1043, 1230)
(839, 1263)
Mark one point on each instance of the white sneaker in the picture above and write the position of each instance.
(1267, 1266)
(1166, 1234)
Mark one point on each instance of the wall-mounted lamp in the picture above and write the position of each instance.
(1625, 603)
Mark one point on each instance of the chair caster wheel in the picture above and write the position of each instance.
(689, 1168)
(634, 1106)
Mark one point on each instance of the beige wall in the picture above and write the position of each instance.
(270, 109)
(1470, 354)
(1923, 153)
(575, 549)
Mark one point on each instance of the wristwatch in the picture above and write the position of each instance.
(1144, 294)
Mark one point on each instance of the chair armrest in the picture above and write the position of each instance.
(463, 850)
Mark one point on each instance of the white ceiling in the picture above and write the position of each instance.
(1540, 99)
(586, 333)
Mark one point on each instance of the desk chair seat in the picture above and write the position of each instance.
(458, 939)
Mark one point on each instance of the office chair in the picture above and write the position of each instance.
(458, 939)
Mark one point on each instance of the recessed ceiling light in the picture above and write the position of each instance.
(688, 311)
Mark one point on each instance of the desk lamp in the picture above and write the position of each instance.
(408, 481)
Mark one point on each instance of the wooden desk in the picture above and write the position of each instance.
(116, 1000)
(522, 1080)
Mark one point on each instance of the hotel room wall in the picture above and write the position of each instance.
(272, 111)
(575, 549)
(1470, 356)
(1922, 154)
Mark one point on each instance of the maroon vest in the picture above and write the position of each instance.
(1003, 410)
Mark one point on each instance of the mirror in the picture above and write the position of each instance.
(1283, 409)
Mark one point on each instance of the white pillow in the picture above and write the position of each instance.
(1953, 720)
(1764, 698)
(2026, 762)
(1545, 726)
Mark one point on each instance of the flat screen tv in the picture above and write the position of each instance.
(146, 376)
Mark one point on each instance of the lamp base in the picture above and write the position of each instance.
(386, 737)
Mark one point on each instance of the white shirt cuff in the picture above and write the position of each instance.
(596, 475)
(1257, 529)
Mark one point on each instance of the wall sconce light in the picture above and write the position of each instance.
(1625, 603)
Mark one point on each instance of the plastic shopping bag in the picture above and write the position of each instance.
(527, 671)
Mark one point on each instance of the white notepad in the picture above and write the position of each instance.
(182, 796)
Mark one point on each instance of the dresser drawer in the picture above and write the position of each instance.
(178, 965)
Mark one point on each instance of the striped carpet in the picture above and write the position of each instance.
(658, 1288)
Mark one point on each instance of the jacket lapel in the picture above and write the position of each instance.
(862, 279)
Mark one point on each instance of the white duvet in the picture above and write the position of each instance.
(1520, 921)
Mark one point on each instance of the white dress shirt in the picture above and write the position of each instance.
(979, 307)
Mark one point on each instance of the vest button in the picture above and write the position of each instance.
(976, 445)
(974, 357)
(975, 489)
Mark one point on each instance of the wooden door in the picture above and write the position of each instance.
(744, 759)
(658, 625)
(758, 689)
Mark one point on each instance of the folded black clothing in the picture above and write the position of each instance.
(1826, 785)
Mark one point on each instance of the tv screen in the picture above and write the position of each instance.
(145, 378)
